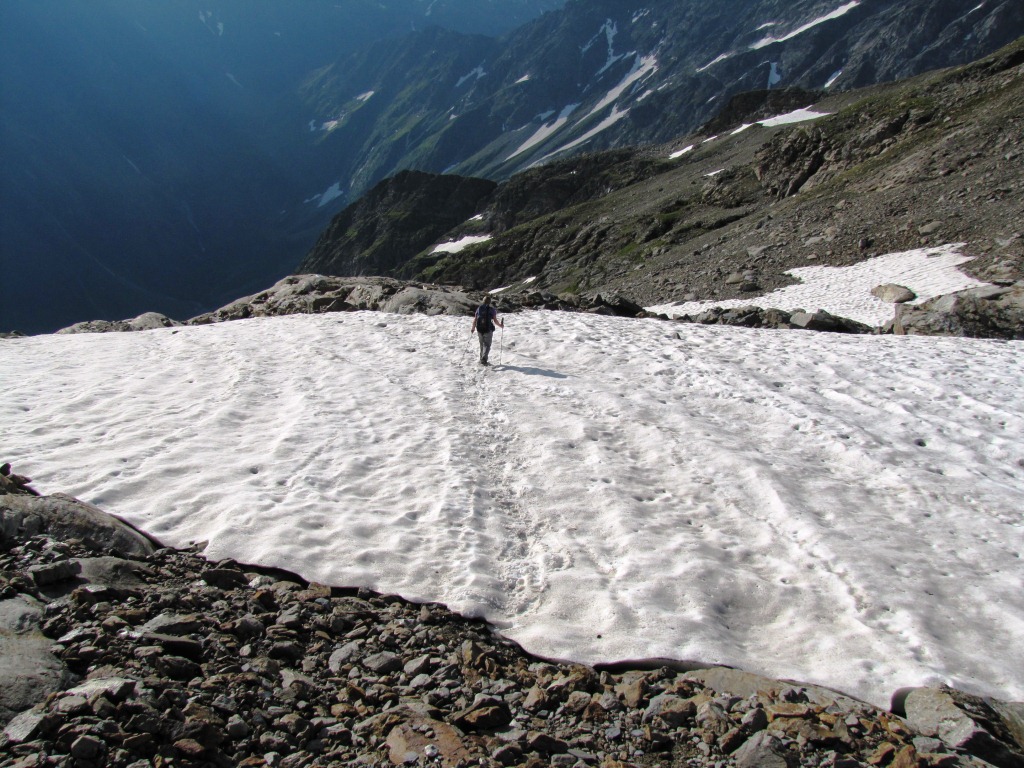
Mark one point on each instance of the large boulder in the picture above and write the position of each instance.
(990, 312)
(892, 293)
(986, 728)
(147, 321)
(64, 517)
(13, 484)
(28, 669)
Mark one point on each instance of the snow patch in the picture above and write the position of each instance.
(796, 116)
(831, 81)
(333, 192)
(846, 291)
(608, 122)
(476, 73)
(841, 11)
(712, 63)
(457, 246)
(545, 131)
(642, 68)
(680, 152)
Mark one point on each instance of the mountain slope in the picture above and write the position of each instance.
(931, 160)
(603, 74)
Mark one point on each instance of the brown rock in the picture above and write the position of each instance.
(905, 758)
(882, 755)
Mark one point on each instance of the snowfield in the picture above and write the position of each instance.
(833, 509)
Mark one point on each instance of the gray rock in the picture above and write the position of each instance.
(147, 321)
(113, 688)
(755, 720)
(762, 750)
(53, 573)
(963, 722)
(723, 680)
(712, 717)
(984, 313)
(670, 709)
(87, 748)
(173, 624)
(487, 713)
(893, 293)
(418, 666)
(236, 727)
(825, 321)
(735, 278)
(1012, 715)
(545, 744)
(177, 668)
(225, 578)
(176, 645)
(26, 726)
(64, 517)
(425, 301)
(383, 663)
(342, 655)
(28, 669)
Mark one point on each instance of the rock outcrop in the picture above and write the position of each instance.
(143, 322)
(992, 312)
(757, 317)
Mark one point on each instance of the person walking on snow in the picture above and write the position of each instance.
(483, 323)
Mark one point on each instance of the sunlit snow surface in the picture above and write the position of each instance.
(844, 510)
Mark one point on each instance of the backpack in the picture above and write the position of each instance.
(485, 319)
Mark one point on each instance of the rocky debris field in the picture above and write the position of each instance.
(118, 652)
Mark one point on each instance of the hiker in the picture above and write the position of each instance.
(483, 323)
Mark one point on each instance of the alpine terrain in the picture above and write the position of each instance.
(171, 157)
(741, 485)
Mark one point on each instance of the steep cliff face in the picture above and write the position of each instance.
(399, 217)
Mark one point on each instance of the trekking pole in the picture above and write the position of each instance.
(501, 344)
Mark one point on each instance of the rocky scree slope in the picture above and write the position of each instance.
(145, 656)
